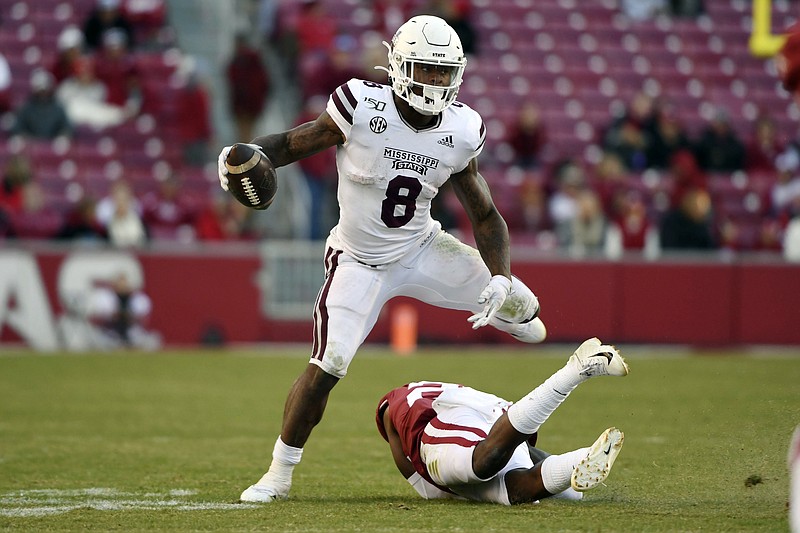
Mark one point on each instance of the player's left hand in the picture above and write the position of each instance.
(493, 296)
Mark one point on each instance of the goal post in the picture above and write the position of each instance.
(763, 43)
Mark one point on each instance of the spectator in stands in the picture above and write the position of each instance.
(276, 23)
(340, 66)
(585, 232)
(70, 49)
(118, 70)
(639, 10)
(248, 86)
(106, 15)
(533, 200)
(193, 115)
(223, 219)
(764, 147)
(319, 171)
(719, 148)
(668, 136)
(42, 116)
(104, 209)
(456, 13)
(570, 180)
(148, 18)
(631, 223)
(791, 242)
(686, 174)
(688, 226)
(35, 220)
(528, 136)
(786, 190)
(81, 224)
(611, 182)
(16, 174)
(85, 99)
(316, 29)
(630, 142)
(119, 213)
(5, 85)
(641, 111)
(630, 135)
(770, 234)
(687, 8)
(167, 212)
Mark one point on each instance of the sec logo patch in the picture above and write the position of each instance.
(377, 124)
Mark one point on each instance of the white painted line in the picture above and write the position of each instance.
(46, 502)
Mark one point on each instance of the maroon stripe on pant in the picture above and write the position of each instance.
(460, 441)
(321, 307)
(438, 424)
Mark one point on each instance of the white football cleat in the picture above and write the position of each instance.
(532, 331)
(595, 467)
(262, 494)
(592, 358)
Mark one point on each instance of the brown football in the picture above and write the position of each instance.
(252, 179)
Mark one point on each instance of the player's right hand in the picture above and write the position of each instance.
(493, 296)
(222, 170)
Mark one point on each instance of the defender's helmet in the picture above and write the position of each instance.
(431, 42)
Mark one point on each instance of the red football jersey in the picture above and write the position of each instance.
(412, 409)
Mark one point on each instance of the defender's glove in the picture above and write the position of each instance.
(222, 170)
(494, 295)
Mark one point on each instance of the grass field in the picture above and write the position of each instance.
(167, 442)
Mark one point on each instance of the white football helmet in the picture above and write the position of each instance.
(423, 43)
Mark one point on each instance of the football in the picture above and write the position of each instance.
(252, 179)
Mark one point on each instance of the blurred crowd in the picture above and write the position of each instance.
(655, 185)
(652, 184)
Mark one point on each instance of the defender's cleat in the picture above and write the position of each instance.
(532, 332)
(592, 358)
(262, 494)
(595, 467)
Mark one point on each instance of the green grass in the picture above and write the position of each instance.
(168, 441)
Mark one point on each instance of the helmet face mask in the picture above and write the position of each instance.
(426, 64)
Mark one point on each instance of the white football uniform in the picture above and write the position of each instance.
(386, 244)
(389, 172)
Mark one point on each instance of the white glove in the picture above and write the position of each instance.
(222, 170)
(493, 296)
(425, 489)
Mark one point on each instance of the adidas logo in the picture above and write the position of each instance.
(446, 141)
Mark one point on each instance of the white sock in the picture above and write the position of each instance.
(569, 494)
(557, 470)
(529, 413)
(284, 459)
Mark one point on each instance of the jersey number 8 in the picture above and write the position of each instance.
(402, 192)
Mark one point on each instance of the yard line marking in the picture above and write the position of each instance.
(46, 502)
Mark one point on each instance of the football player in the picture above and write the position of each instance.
(787, 62)
(395, 146)
(453, 441)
